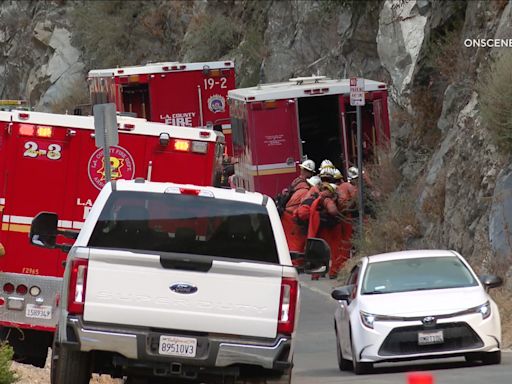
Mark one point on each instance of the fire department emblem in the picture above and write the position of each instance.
(122, 166)
(216, 103)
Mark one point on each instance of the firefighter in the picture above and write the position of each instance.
(346, 203)
(307, 170)
(293, 228)
(320, 210)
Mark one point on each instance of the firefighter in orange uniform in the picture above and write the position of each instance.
(294, 231)
(346, 199)
(319, 208)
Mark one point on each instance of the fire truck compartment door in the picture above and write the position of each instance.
(36, 182)
(133, 288)
(276, 138)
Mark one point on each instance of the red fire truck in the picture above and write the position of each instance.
(276, 126)
(185, 94)
(50, 162)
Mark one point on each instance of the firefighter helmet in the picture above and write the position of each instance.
(308, 165)
(353, 173)
(326, 164)
(327, 172)
(314, 180)
(337, 174)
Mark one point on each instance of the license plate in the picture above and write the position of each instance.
(177, 346)
(432, 337)
(38, 311)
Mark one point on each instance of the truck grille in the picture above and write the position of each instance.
(404, 340)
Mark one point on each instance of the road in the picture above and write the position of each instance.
(315, 354)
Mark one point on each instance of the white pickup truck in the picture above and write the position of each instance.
(177, 282)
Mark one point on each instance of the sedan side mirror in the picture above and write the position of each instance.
(490, 281)
(342, 293)
(316, 256)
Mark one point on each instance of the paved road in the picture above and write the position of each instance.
(315, 354)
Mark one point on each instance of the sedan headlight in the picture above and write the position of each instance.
(485, 310)
(367, 319)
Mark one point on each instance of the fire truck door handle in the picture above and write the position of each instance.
(63, 263)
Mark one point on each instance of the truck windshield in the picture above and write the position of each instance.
(189, 224)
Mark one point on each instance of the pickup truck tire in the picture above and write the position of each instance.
(284, 378)
(70, 366)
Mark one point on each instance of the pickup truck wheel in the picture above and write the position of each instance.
(284, 378)
(70, 366)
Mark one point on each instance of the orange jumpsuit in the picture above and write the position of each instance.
(295, 234)
(318, 205)
(347, 193)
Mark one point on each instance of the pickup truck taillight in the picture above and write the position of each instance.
(287, 305)
(77, 285)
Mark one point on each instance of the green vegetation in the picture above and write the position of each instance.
(7, 376)
(495, 95)
(210, 36)
(114, 33)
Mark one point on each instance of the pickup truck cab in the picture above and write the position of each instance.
(177, 282)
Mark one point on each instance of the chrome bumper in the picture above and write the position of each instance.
(220, 351)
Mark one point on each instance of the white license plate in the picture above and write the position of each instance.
(38, 311)
(177, 346)
(430, 337)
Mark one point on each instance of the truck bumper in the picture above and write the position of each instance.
(212, 350)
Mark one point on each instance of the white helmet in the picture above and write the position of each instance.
(326, 164)
(327, 172)
(314, 180)
(337, 174)
(353, 173)
(308, 165)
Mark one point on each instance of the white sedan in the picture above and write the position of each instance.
(414, 305)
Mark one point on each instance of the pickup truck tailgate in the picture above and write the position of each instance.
(128, 288)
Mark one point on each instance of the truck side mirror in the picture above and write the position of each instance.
(490, 281)
(43, 230)
(316, 256)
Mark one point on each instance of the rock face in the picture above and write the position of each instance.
(462, 176)
(39, 64)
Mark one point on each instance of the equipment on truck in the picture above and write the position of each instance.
(50, 161)
(276, 126)
(184, 94)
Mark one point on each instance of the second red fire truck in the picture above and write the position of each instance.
(275, 126)
(184, 94)
(50, 162)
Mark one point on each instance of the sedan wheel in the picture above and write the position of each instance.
(490, 358)
(360, 368)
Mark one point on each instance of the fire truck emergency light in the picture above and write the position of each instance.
(182, 145)
(33, 130)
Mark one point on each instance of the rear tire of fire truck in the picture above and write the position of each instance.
(69, 366)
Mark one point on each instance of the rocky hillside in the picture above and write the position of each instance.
(451, 163)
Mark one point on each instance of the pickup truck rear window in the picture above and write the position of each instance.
(176, 223)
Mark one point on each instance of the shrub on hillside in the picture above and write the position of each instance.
(211, 36)
(495, 95)
(7, 376)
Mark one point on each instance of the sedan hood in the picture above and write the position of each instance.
(423, 303)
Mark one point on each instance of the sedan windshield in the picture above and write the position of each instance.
(416, 274)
